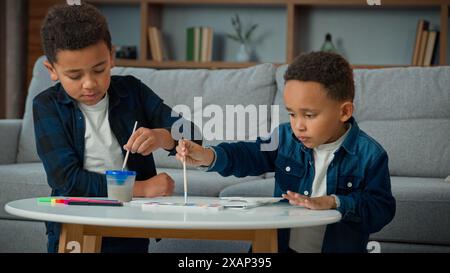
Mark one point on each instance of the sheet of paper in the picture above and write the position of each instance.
(247, 202)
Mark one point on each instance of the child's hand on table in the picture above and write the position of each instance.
(159, 185)
(318, 203)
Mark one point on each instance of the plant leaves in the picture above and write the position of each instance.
(233, 37)
(250, 31)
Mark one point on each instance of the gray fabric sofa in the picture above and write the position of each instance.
(406, 109)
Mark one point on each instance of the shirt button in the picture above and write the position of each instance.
(288, 169)
(305, 193)
(349, 184)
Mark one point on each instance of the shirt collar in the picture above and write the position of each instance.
(349, 143)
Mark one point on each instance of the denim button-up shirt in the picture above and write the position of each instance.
(358, 176)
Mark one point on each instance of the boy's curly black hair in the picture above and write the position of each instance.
(329, 69)
(73, 27)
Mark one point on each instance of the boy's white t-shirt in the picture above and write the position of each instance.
(310, 239)
(101, 149)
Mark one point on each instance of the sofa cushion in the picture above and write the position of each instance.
(388, 247)
(9, 134)
(422, 216)
(402, 93)
(416, 147)
(20, 181)
(201, 183)
(27, 143)
(248, 86)
(283, 114)
(22, 236)
(407, 111)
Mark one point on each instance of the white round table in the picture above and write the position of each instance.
(83, 226)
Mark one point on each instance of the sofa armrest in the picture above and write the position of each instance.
(9, 140)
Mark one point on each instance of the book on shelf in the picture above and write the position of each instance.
(419, 48)
(423, 44)
(190, 44)
(197, 39)
(156, 44)
(199, 43)
(430, 48)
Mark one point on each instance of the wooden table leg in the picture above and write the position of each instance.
(71, 238)
(92, 244)
(265, 241)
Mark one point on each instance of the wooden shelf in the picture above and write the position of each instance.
(218, 2)
(183, 64)
(151, 12)
(363, 3)
(112, 2)
(220, 65)
(295, 8)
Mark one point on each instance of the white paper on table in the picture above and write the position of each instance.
(247, 202)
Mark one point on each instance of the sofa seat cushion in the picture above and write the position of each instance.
(21, 181)
(201, 183)
(423, 212)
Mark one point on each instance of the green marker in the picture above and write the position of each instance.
(45, 199)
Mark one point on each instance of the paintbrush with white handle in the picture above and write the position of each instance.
(128, 152)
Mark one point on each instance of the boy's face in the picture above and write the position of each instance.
(315, 118)
(85, 74)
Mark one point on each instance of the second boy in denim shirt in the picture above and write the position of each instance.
(323, 159)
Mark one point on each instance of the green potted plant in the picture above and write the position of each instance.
(242, 37)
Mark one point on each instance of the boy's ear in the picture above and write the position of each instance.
(51, 71)
(346, 111)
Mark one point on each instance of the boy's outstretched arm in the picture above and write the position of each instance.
(194, 154)
(239, 159)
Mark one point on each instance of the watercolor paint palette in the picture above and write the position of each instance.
(174, 206)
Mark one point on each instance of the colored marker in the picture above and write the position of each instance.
(94, 203)
(45, 199)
